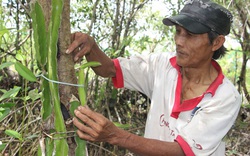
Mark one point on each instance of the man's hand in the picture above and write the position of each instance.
(81, 45)
(93, 126)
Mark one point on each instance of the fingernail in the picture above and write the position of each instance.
(79, 108)
(67, 51)
(76, 58)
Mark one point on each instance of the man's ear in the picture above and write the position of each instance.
(218, 42)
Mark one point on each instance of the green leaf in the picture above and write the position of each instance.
(39, 151)
(25, 72)
(2, 146)
(46, 100)
(32, 136)
(81, 144)
(3, 31)
(90, 64)
(81, 90)
(20, 57)
(123, 126)
(3, 90)
(81, 147)
(34, 95)
(14, 134)
(6, 64)
(7, 105)
(61, 146)
(11, 93)
(40, 35)
(73, 107)
(49, 146)
(3, 113)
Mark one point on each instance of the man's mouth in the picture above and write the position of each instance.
(180, 53)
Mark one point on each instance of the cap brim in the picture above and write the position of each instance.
(186, 22)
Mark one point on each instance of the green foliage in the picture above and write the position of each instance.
(39, 34)
(81, 144)
(46, 100)
(34, 95)
(14, 134)
(123, 126)
(46, 45)
(6, 64)
(3, 112)
(2, 146)
(5, 108)
(12, 93)
(25, 72)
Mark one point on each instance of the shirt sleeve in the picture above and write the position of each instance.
(211, 122)
(139, 72)
(118, 79)
(184, 145)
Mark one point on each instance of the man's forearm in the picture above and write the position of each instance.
(147, 147)
(107, 68)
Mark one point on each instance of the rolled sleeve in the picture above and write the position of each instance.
(184, 145)
(118, 81)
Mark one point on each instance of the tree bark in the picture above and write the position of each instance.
(66, 71)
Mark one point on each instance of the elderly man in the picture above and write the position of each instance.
(193, 105)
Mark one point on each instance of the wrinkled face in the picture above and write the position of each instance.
(193, 50)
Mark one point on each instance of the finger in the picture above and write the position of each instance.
(81, 115)
(77, 39)
(96, 117)
(73, 46)
(94, 126)
(84, 136)
(85, 129)
(81, 52)
(95, 120)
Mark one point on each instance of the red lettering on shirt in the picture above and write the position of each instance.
(198, 146)
(172, 133)
(163, 122)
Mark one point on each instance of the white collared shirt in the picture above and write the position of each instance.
(198, 124)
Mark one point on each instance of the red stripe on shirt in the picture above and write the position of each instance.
(184, 145)
(192, 103)
(118, 79)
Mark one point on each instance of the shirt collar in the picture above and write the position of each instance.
(213, 87)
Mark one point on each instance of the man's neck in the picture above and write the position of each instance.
(196, 81)
(201, 76)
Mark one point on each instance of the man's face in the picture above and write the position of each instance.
(193, 50)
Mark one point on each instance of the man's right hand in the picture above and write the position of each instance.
(85, 45)
(82, 44)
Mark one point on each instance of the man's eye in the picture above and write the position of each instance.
(177, 31)
(191, 34)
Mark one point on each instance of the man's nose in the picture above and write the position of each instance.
(180, 40)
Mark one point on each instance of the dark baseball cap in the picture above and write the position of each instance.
(202, 16)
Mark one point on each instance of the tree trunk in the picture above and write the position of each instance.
(66, 71)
